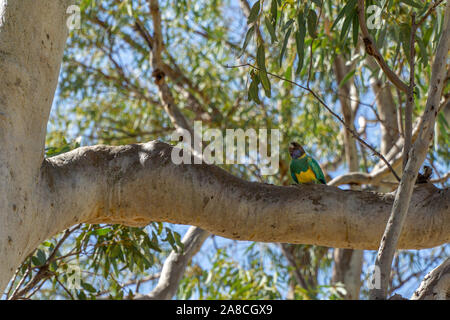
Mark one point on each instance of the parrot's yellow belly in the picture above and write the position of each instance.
(306, 176)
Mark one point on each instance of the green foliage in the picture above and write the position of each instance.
(226, 280)
(104, 254)
(61, 147)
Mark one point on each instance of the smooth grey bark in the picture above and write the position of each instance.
(347, 270)
(386, 108)
(136, 184)
(32, 38)
(373, 51)
(345, 99)
(436, 284)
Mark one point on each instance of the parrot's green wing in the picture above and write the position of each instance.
(317, 170)
(293, 176)
(294, 169)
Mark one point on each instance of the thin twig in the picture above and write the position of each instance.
(24, 277)
(372, 50)
(12, 283)
(410, 94)
(64, 287)
(36, 289)
(355, 134)
(43, 270)
(430, 10)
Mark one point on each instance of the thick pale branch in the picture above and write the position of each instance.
(137, 184)
(175, 264)
(436, 284)
(374, 178)
(380, 171)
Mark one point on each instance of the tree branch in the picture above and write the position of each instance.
(387, 113)
(372, 50)
(429, 11)
(410, 93)
(436, 284)
(177, 262)
(136, 184)
(285, 249)
(167, 100)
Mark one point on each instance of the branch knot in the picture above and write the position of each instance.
(158, 75)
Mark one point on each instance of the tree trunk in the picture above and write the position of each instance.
(32, 39)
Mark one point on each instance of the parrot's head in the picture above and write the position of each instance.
(296, 150)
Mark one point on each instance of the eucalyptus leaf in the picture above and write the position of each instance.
(312, 23)
(285, 42)
(248, 36)
(344, 12)
(254, 12)
(412, 3)
(300, 42)
(273, 36)
(261, 61)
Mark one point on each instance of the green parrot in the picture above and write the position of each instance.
(304, 169)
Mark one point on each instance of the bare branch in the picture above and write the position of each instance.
(429, 11)
(176, 263)
(387, 113)
(372, 50)
(173, 270)
(291, 260)
(410, 94)
(441, 179)
(436, 284)
(351, 154)
(167, 99)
